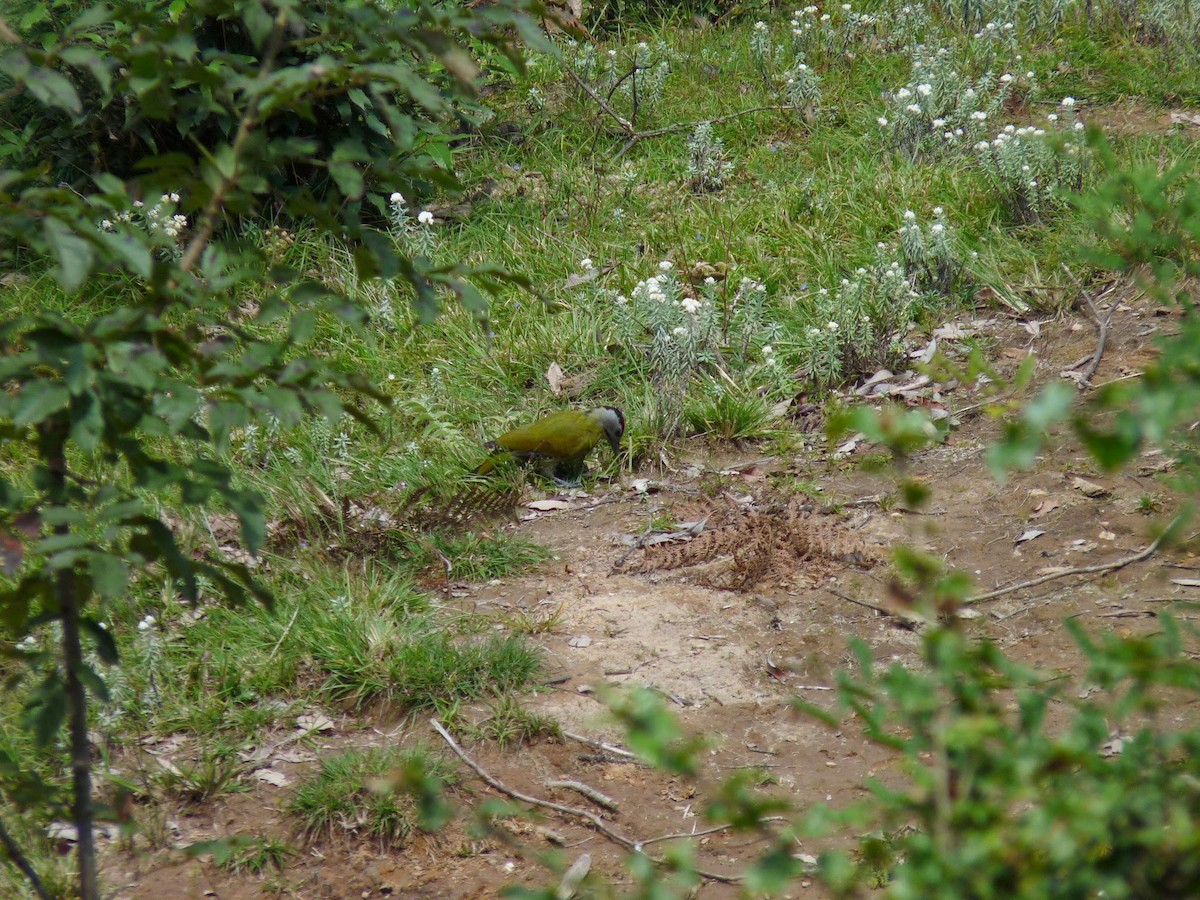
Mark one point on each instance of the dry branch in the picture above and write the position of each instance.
(1145, 553)
(586, 815)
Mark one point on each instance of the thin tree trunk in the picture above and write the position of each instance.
(22, 862)
(69, 611)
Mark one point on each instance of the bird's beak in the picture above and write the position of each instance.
(615, 443)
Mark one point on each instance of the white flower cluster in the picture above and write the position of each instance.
(804, 89)
(928, 254)
(708, 165)
(681, 332)
(415, 238)
(160, 221)
(858, 327)
(941, 110)
(1031, 167)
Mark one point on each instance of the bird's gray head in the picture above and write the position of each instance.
(612, 420)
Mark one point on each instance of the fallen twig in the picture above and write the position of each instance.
(902, 620)
(286, 631)
(1145, 553)
(586, 815)
(1102, 323)
(636, 136)
(586, 790)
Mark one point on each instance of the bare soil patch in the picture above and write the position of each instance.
(729, 633)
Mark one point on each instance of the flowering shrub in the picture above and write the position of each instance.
(160, 223)
(633, 81)
(679, 334)
(1031, 167)
(942, 110)
(929, 255)
(857, 328)
(707, 163)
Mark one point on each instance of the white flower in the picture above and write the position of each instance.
(106, 225)
(883, 122)
(924, 89)
(910, 216)
(710, 280)
(760, 26)
(903, 94)
(982, 145)
(425, 217)
(147, 623)
(913, 108)
(666, 265)
(622, 299)
(767, 350)
(1053, 117)
(679, 331)
(979, 115)
(1068, 102)
(391, 376)
(585, 264)
(937, 228)
(397, 198)
(938, 123)
(832, 326)
(1010, 129)
(690, 305)
(1079, 126)
(938, 211)
(173, 197)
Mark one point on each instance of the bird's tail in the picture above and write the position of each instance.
(498, 457)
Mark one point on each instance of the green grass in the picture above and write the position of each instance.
(356, 793)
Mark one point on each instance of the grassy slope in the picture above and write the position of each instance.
(804, 205)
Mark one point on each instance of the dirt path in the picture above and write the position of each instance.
(729, 660)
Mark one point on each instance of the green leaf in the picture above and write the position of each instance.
(106, 647)
(38, 401)
(74, 254)
(95, 64)
(87, 421)
(109, 574)
(92, 681)
(258, 22)
(46, 709)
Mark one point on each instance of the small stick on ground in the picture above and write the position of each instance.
(901, 620)
(599, 745)
(1102, 323)
(1145, 553)
(586, 790)
(586, 815)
